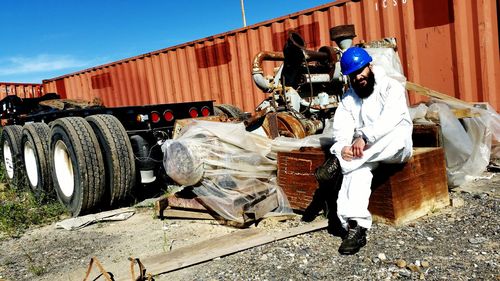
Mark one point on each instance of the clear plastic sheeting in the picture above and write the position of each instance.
(467, 141)
(418, 113)
(228, 166)
(388, 59)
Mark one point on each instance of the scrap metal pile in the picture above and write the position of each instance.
(233, 166)
(304, 91)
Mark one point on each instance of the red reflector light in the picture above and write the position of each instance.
(193, 113)
(205, 111)
(168, 115)
(155, 117)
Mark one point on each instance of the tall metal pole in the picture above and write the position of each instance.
(243, 13)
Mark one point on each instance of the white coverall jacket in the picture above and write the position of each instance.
(384, 120)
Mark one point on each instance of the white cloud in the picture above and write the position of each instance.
(39, 64)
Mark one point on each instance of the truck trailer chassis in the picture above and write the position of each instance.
(92, 158)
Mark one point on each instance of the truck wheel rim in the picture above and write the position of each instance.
(64, 169)
(31, 164)
(7, 159)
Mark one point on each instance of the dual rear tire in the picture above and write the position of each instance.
(89, 163)
(118, 156)
(93, 162)
(77, 165)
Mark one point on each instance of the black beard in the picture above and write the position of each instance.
(364, 92)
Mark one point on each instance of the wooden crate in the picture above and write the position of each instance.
(296, 175)
(401, 193)
(427, 135)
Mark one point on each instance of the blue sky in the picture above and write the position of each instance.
(48, 38)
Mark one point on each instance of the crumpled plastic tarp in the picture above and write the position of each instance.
(467, 142)
(389, 60)
(227, 165)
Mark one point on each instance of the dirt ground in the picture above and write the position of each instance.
(58, 254)
(459, 242)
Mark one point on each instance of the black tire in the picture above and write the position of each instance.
(12, 165)
(77, 165)
(35, 154)
(231, 111)
(118, 156)
(218, 111)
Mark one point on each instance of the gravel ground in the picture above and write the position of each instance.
(459, 242)
(454, 243)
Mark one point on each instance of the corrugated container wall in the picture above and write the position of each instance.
(450, 46)
(22, 90)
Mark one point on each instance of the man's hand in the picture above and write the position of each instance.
(357, 147)
(347, 153)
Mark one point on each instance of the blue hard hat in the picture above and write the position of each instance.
(354, 59)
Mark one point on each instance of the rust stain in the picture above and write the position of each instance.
(430, 13)
(214, 55)
(101, 81)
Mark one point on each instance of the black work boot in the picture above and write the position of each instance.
(355, 239)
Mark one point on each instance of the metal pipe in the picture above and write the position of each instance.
(258, 72)
(345, 43)
(295, 50)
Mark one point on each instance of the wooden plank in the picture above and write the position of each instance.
(160, 205)
(431, 93)
(265, 206)
(185, 203)
(464, 113)
(185, 214)
(217, 247)
(176, 202)
(459, 113)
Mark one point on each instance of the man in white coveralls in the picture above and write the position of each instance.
(371, 125)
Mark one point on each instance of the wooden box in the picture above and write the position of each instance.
(401, 193)
(296, 175)
(427, 135)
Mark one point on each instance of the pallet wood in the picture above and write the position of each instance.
(165, 205)
(185, 214)
(402, 193)
(172, 201)
(217, 247)
(265, 206)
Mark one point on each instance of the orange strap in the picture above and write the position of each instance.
(107, 275)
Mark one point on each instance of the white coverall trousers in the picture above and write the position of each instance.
(354, 194)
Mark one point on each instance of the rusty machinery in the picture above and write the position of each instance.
(304, 89)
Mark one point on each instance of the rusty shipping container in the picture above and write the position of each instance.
(22, 90)
(450, 46)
